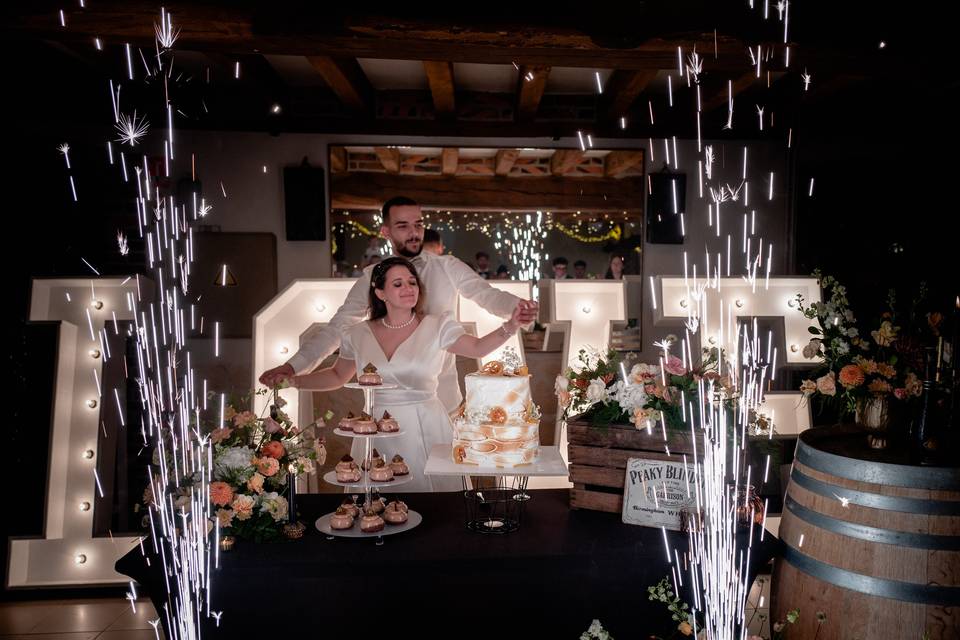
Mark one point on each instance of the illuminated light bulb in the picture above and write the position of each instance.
(683, 303)
(91, 403)
(96, 304)
(80, 558)
(275, 109)
(739, 303)
(586, 308)
(88, 454)
(791, 303)
(320, 307)
(284, 350)
(794, 348)
(84, 506)
(94, 353)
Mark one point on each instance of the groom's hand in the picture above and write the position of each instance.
(528, 310)
(275, 376)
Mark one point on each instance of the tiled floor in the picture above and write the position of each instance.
(90, 619)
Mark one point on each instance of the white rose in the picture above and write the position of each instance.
(597, 391)
(812, 348)
(562, 383)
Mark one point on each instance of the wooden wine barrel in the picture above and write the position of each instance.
(870, 540)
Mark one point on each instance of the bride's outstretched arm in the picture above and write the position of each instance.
(327, 379)
(472, 347)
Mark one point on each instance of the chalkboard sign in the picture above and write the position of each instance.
(655, 491)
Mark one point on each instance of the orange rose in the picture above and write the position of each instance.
(268, 467)
(221, 494)
(272, 449)
(851, 376)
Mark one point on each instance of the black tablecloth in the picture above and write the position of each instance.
(559, 571)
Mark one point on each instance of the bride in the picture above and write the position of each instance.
(407, 348)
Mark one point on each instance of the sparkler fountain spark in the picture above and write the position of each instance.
(718, 561)
(182, 528)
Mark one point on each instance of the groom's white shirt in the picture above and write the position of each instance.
(444, 279)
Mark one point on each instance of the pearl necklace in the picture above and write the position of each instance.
(383, 321)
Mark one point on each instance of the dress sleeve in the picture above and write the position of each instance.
(450, 330)
(347, 351)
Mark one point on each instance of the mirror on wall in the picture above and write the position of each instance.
(522, 207)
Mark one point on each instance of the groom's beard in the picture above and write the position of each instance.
(403, 251)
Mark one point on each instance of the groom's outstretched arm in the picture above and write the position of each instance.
(473, 287)
(326, 341)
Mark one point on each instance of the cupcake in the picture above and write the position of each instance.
(371, 522)
(388, 424)
(341, 519)
(350, 507)
(375, 458)
(369, 377)
(396, 513)
(349, 476)
(381, 472)
(346, 464)
(346, 422)
(377, 505)
(364, 425)
(398, 466)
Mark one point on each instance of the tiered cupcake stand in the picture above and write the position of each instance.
(368, 486)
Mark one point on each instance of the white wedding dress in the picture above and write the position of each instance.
(415, 368)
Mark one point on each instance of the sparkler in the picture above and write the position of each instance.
(131, 129)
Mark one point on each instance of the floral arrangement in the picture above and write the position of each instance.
(255, 460)
(856, 369)
(602, 390)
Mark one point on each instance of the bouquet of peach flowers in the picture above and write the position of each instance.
(854, 368)
(255, 461)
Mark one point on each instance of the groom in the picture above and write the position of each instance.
(444, 278)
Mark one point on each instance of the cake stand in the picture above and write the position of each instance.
(497, 509)
(413, 518)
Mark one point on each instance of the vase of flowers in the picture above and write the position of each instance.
(860, 375)
(874, 412)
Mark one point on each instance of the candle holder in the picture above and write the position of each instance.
(294, 530)
(227, 543)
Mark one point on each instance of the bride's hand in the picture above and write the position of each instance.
(515, 321)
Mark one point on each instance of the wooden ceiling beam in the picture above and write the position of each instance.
(532, 80)
(389, 158)
(353, 191)
(347, 80)
(449, 160)
(622, 90)
(564, 160)
(440, 78)
(734, 87)
(506, 158)
(617, 162)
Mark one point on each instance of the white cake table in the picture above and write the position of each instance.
(440, 463)
(496, 509)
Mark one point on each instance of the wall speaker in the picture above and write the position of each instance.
(304, 202)
(665, 202)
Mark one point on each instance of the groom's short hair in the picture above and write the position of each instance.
(397, 201)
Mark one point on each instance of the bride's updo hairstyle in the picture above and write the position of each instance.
(378, 280)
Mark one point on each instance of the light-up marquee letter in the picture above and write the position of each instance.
(295, 314)
(68, 554)
(739, 299)
(484, 322)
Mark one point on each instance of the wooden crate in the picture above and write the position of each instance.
(598, 460)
